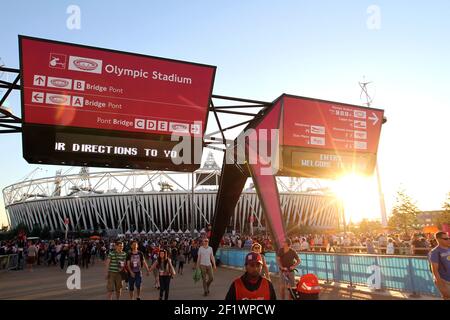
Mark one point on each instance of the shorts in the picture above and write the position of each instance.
(31, 259)
(291, 278)
(137, 280)
(114, 281)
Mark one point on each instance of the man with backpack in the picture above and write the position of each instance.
(439, 259)
(136, 262)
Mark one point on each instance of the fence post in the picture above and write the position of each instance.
(306, 262)
(326, 270)
(414, 294)
(350, 286)
(377, 263)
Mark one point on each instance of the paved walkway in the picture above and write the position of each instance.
(50, 283)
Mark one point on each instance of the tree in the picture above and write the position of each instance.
(404, 213)
(444, 217)
(368, 226)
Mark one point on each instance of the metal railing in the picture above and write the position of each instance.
(9, 262)
(363, 249)
(410, 274)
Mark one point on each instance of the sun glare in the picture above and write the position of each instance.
(359, 195)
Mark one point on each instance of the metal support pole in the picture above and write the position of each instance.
(351, 285)
(381, 198)
(192, 203)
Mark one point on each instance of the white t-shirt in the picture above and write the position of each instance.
(205, 256)
(390, 248)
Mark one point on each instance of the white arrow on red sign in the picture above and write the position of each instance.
(374, 118)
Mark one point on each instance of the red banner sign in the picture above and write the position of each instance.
(78, 86)
(328, 125)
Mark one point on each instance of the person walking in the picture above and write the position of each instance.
(115, 264)
(63, 255)
(439, 259)
(166, 272)
(181, 260)
(136, 262)
(251, 285)
(287, 260)
(257, 248)
(194, 254)
(206, 262)
(155, 255)
(31, 256)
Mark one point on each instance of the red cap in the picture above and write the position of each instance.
(253, 257)
(308, 284)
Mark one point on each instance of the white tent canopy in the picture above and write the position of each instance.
(150, 232)
(158, 232)
(180, 232)
(203, 230)
(172, 231)
(128, 232)
(195, 231)
(187, 231)
(143, 232)
(136, 232)
(165, 231)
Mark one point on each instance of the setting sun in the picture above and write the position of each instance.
(359, 195)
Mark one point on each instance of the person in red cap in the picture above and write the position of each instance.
(252, 286)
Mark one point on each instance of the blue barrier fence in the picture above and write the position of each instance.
(402, 273)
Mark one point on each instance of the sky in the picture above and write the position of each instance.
(318, 49)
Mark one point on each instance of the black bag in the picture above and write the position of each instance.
(124, 274)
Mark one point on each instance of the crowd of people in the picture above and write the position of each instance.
(125, 259)
(163, 256)
(383, 243)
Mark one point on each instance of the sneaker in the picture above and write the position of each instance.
(138, 298)
(205, 293)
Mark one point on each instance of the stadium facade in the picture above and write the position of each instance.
(151, 201)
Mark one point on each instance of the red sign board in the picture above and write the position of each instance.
(321, 124)
(77, 86)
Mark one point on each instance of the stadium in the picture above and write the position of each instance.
(154, 202)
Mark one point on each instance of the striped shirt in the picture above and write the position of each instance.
(117, 261)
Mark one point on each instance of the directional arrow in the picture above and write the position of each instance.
(39, 80)
(37, 97)
(374, 118)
